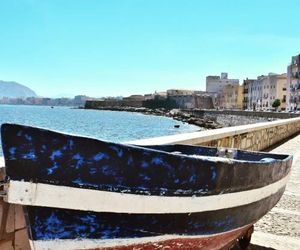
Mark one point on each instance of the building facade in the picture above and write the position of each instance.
(246, 84)
(262, 92)
(176, 92)
(293, 84)
(192, 101)
(231, 97)
(254, 95)
(189, 99)
(215, 84)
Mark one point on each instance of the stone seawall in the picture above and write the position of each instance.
(257, 136)
(227, 118)
(277, 115)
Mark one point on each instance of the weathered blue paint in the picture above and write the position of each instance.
(28, 137)
(100, 156)
(213, 173)
(171, 170)
(51, 169)
(55, 154)
(29, 156)
(12, 150)
(53, 223)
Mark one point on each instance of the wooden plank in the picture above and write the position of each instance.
(19, 217)
(10, 220)
(21, 240)
(6, 245)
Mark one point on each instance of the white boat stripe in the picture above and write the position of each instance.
(46, 195)
(65, 244)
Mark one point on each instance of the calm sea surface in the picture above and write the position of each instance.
(106, 125)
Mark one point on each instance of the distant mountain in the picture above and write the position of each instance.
(15, 90)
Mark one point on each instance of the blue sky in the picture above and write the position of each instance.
(122, 47)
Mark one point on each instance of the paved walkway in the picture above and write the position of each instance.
(280, 228)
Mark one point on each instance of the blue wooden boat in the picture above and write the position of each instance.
(83, 193)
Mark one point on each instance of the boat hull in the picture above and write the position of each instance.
(218, 241)
(52, 228)
(82, 193)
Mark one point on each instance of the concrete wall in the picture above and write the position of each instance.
(13, 234)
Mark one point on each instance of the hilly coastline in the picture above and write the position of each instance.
(15, 90)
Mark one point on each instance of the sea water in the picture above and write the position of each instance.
(106, 125)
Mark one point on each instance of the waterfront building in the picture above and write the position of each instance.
(254, 95)
(231, 97)
(265, 87)
(246, 85)
(273, 87)
(262, 92)
(176, 92)
(280, 90)
(293, 84)
(215, 84)
(189, 99)
(201, 101)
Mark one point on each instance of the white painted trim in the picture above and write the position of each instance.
(45, 195)
(2, 164)
(98, 243)
(196, 138)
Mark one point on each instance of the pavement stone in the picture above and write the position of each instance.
(280, 228)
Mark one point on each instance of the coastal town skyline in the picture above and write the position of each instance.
(113, 48)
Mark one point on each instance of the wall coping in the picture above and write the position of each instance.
(209, 135)
(263, 114)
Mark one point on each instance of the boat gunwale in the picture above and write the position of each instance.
(141, 147)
